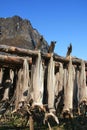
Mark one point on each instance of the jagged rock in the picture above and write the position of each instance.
(19, 32)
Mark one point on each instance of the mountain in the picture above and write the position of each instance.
(18, 32)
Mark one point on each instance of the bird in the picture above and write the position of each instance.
(51, 47)
(39, 43)
(69, 50)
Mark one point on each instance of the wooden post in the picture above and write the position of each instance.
(31, 123)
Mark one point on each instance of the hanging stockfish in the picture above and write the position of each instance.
(65, 80)
(51, 84)
(59, 86)
(68, 94)
(1, 76)
(51, 91)
(82, 84)
(56, 83)
(61, 72)
(22, 87)
(38, 81)
(75, 88)
(18, 91)
(12, 78)
(7, 84)
(6, 92)
(25, 86)
(12, 75)
(31, 96)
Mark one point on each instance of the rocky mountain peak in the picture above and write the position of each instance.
(15, 31)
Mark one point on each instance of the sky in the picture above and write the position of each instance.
(64, 21)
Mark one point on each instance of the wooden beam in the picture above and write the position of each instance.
(18, 51)
(75, 61)
(13, 60)
(26, 52)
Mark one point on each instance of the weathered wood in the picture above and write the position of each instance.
(76, 61)
(7, 60)
(26, 52)
(68, 80)
(31, 123)
(17, 50)
(69, 50)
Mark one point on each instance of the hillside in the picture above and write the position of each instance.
(18, 32)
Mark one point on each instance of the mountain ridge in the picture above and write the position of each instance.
(18, 32)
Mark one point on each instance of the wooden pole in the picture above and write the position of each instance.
(17, 50)
(31, 122)
(7, 60)
(76, 61)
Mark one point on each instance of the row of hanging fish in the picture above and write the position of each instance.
(65, 85)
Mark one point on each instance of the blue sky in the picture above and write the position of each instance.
(64, 21)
